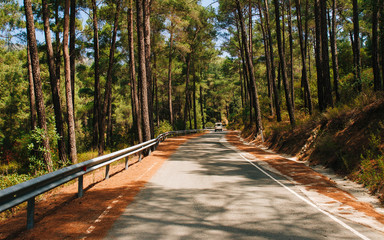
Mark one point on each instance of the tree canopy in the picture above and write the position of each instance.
(139, 67)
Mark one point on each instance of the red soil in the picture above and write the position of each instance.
(59, 215)
(304, 175)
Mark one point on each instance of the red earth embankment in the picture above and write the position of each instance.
(310, 179)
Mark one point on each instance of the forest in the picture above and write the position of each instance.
(84, 77)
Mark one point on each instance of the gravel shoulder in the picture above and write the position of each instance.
(324, 188)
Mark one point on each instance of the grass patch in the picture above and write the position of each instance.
(371, 172)
(13, 179)
(85, 156)
(12, 167)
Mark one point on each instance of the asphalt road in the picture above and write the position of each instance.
(208, 190)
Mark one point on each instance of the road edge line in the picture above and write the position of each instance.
(306, 200)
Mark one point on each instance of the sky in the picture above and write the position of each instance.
(219, 40)
(214, 3)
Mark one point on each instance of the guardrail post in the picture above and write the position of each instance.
(30, 213)
(139, 156)
(80, 190)
(107, 171)
(126, 163)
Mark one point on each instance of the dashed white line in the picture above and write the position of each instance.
(142, 175)
(106, 211)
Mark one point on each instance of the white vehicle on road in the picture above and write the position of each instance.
(218, 126)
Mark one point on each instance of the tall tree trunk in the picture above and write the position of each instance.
(291, 52)
(328, 100)
(381, 9)
(306, 32)
(189, 110)
(55, 84)
(68, 88)
(96, 95)
(194, 98)
(251, 101)
(309, 47)
(186, 107)
(247, 89)
(201, 106)
(72, 51)
(142, 71)
(283, 25)
(109, 124)
(108, 87)
(268, 59)
(244, 65)
(170, 76)
(318, 56)
(307, 91)
(282, 63)
(356, 36)
(32, 98)
(57, 39)
(279, 77)
(375, 57)
(335, 61)
(147, 37)
(250, 28)
(251, 71)
(156, 89)
(273, 71)
(353, 51)
(134, 90)
(37, 81)
(245, 80)
(241, 84)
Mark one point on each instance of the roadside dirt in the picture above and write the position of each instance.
(339, 139)
(333, 198)
(59, 215)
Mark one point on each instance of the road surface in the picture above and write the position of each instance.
(209, 190)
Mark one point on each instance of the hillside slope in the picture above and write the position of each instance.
(350, 141)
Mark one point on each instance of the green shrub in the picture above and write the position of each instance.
(372, 165)
(327, 147)
(34, 141)
(372, 173)
(209, 125)
(13, 179)
(164, 126)
(11, 167)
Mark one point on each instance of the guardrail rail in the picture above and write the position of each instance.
(27, 191)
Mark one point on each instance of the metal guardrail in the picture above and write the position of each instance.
(27, 191)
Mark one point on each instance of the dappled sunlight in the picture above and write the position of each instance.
(206, 191)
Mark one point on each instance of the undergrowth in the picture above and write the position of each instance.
(164, 126)
(371, 172)
(347, 138)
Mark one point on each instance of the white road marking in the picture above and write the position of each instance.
(106, 211)
(307, 201)
(142, 175)
(90, 229)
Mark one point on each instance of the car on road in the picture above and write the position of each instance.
(218, 126)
